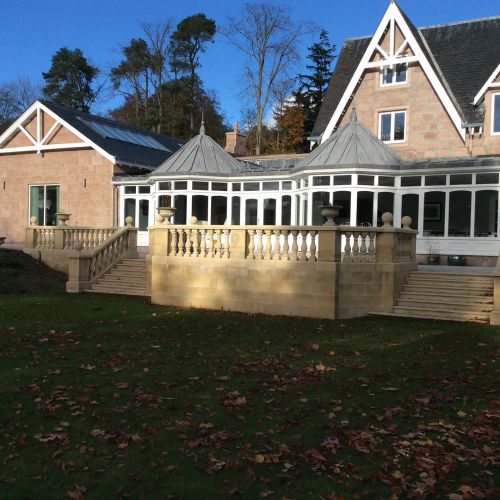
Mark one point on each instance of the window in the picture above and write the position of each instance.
(286, 185)
(251, 186)
(219, 186)
(394, 75)
(270, 186)
(164, 186)
(324, 180)
(392, 126)
(180, 185)
(495, 114)
(366, 180)
(144, 189)
(44, 203)
(385, 181)
(286, 210)
(236, 186)
(435, 180)
(410, 181)
(342, 180)
(486, 178)
(130, 189)
(200, 186)
(457, 179)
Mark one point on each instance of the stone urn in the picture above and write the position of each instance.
(2, 240)
(62, 218)
(166, 213)
(330, 212)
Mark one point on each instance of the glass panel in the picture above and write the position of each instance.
(179, 186)
(251, 212)
(164, 186)
(365, 208)
(251, 186)
(219, 186)
(486, 220)
(399, 126)
(130, 189)
(129, 208)
(297, 209)
(219, 210)
(385, 181)
(459, 215)
(144, 189)
(236, 186)
(143, 215)
(286, 185)
(410, 181)
(51, 205)
(435, 180)
(236, 203)
(200, 186)
(460, 179)
(434, 202)
(385, 204)
(343, 198)
(200, 208)
(165, 200)
(180, 203)
(37, 204)
(385, 127)
(401, 73)
(366, 180)
(388, 75)
(409, 206)
(496, 114)
(324, 180)
(286, 210)
(486, 178)
(341, 180)
(269, 212)
(270, 186)
(319, 198)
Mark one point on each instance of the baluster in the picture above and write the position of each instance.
(227, 246)
(355, 246)
(182, 242)
(251, 243)
(295, 245)
(371, 245)
(267, 255)
(218, 243)
(172, 236)
(363, 249)
(286, 248)
(260, 245)
(347, 249)
(203, 242)
(312, 247)
(189, 243)
(210, 243)
(303, 246)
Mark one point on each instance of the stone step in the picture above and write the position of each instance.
(130, 267)
(124, 278)
(458, 299)
(452, 283)
(122, 284)
(446, 291)
(118, 291)
(451, 277)
(429, 305)
(445, 314)
(125, 272)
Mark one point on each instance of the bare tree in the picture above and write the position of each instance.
(269, 38)
(15, 97)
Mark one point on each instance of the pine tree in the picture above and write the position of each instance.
(314, 84)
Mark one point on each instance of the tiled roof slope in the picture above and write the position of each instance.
(463, 54)
(125, 153)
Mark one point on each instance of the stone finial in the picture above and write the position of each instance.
(202, 127)
(193, 220)
(406, 222)
(387, 219)
(354, 115)
(129, 221)
(33, 220)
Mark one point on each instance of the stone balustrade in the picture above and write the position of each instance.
(66, 237)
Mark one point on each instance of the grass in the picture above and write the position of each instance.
(107, 396)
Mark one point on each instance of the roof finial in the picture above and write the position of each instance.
(354, 116)
(202, 126)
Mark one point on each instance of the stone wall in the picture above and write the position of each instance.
(84, 177)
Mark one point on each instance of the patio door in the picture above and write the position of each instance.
(138, 209)
(44, 203)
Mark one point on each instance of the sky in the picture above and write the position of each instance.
(33, 30)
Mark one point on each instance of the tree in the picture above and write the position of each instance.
(290, 124)
(188, 42)
(313, 86)
(69, 80)
(15, 97)
(266, 34)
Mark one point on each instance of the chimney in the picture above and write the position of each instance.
(236, 143)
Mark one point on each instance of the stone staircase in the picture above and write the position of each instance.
(449, 296)
(127, 277)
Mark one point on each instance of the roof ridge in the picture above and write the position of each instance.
(465, 21)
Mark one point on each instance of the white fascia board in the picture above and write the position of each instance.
(485, 87)
(15, 126)
(44, 147)
(391, 13)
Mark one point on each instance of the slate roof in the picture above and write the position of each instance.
(125, 153)
(463, 54)
(201, 155)
(352, 145)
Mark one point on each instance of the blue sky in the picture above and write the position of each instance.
(33, 30)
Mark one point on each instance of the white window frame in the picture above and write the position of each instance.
(493, 98)
(383, 70)
(45, 186)
(393, 120)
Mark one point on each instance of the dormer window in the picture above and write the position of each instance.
(495, 114)
(395, 74)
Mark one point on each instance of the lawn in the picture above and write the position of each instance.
(106, 396)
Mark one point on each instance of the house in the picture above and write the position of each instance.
(55, 159)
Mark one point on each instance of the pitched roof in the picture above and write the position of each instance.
(201, 155)
(463, 55)
(352, 145)
(148, 149)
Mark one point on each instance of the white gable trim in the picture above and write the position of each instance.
(391, 17)
(39, 142)
(489, 83)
